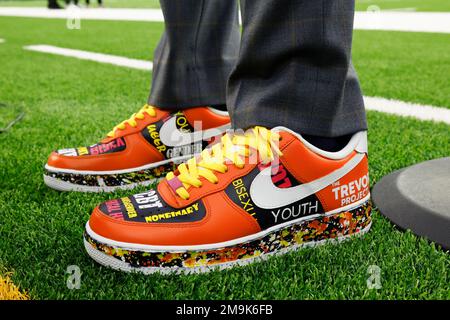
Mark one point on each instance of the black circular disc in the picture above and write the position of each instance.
(418, 198)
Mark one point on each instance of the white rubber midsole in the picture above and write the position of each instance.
(261, 234)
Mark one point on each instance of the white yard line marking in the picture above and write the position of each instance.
(407, 109)
(2, 40)
(382, 20)
(395, 107)
(404, 21)
(92, 56)
(401, 9)
(88, 14)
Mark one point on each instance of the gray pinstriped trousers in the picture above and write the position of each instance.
(291, 66)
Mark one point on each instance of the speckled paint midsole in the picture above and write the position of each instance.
(325, 227)
(113, 179)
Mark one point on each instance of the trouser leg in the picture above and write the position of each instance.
(294, 68)
(196, 53)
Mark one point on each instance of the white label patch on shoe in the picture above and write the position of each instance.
(171, 136)
(68, 152)
(268, 196)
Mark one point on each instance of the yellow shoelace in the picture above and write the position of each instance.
(232, 149)
(132, 121)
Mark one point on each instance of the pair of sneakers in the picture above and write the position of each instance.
(222, 199)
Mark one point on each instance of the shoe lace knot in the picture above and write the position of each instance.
(231, 149)
(132, 121)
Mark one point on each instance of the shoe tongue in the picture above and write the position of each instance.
(175, 183)
(286, 135)
(168, 194)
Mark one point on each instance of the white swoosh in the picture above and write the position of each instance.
(267, 196)
(172, 137)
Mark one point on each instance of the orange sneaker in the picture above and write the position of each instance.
(245, 198)
(138, 151)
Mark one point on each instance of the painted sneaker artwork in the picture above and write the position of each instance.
(138, 151)
(242, 199)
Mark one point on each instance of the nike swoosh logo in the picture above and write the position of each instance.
(171, 136)
(268, 196)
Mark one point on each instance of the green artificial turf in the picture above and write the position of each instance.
(69, 103)
(403, 5)
(408, 66)
(400, 65)
(361, 5)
